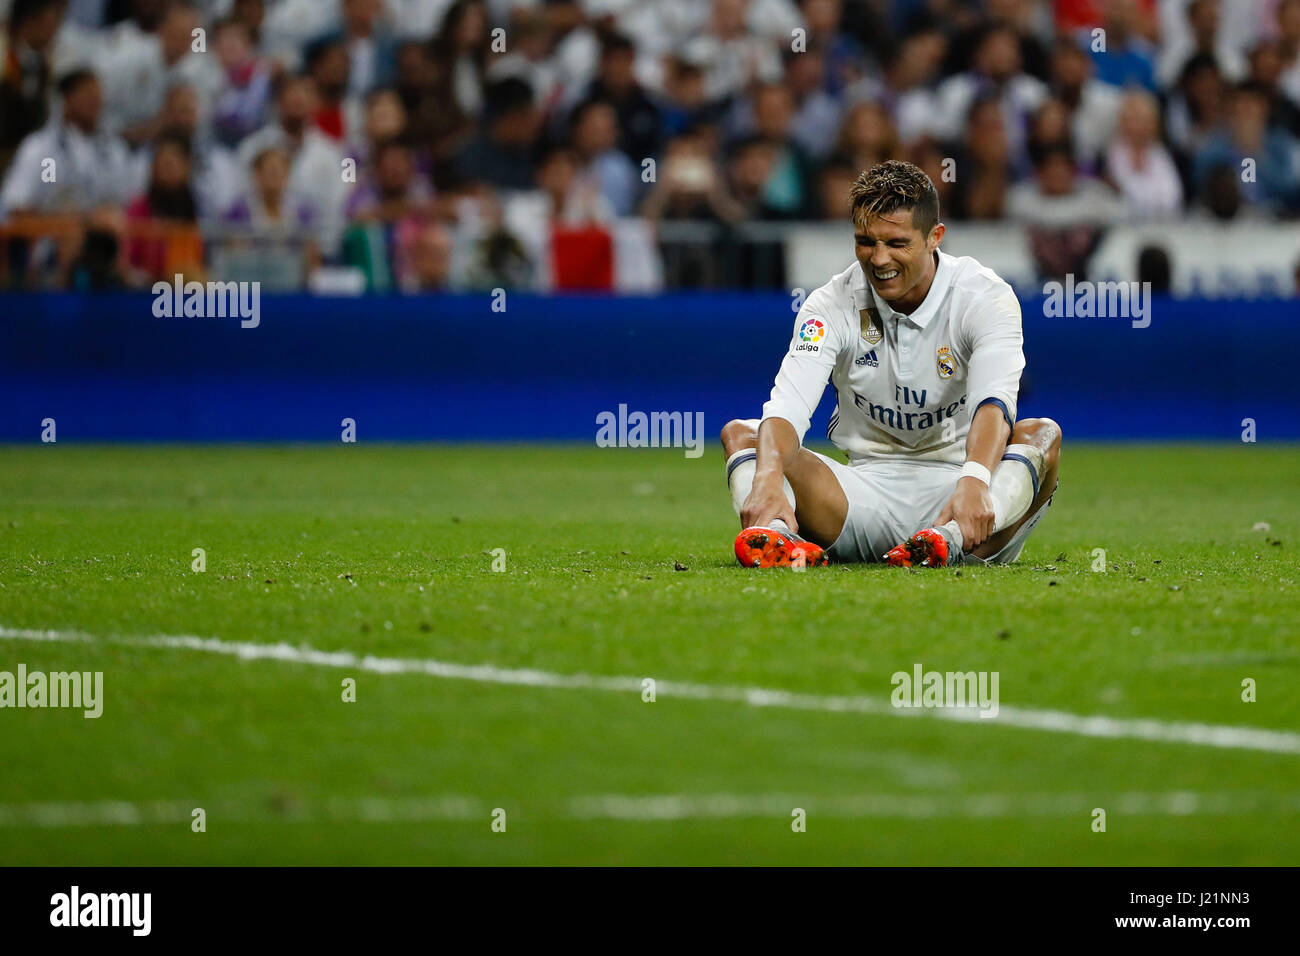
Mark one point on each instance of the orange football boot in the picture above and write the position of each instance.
(770, 548)
(926, 549)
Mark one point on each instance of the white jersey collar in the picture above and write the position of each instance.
(943, 275)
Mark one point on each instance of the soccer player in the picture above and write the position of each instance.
(924, 351)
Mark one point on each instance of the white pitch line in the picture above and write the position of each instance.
(653, 808)
(922, 806)
(1053, 721)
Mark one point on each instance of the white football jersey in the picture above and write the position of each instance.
(907, 385)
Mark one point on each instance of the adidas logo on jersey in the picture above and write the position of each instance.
(868, 359)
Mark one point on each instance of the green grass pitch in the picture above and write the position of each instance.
(389, 551)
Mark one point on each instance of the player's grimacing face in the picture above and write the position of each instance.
(895, 254)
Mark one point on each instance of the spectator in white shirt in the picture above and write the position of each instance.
(128, 62)
(1093, 105)
(216, 172)
(1223, 30)
(417, 19)
(733, 57)
(529, 57)
(1194, 110)
(241, 104)
(70, 165)
(290, 25)
(316, 168)
(907, 89)
(594, 137)
(1288, 34)
(1065, 214)
(462, 48)
(996, 73)
(143, 58)
(371, 46)
(1057, 196)
(568, 199)
(1138, 163)
(817, 113)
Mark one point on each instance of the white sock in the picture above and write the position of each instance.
(1015, 484)
(740, 479)
(956, 540)
(1013, 490)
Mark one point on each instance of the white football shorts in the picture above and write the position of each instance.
(889, 501)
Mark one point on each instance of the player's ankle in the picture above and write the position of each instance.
(952, 532)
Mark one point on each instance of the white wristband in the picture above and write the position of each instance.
(975, 470)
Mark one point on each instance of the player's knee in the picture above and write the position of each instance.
(739, 433)
(1043, 432)
(1051, 434)
(1054, 453)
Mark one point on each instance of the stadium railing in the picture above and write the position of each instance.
(1245, 259)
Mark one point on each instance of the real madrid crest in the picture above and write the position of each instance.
(873, 330)
(947, 364)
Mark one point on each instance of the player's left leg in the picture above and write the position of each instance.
(1044, 435)
(815, 494)
(1022, 487)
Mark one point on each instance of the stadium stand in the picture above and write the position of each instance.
(638, 145)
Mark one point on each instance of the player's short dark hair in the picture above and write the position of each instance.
(893, 185)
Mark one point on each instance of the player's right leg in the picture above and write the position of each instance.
(1022, 488)
(820, 505)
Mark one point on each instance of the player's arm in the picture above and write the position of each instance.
(971, 504)
(778, 444)
(786, 415)
(996, 360)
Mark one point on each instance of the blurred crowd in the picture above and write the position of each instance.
(414, 141)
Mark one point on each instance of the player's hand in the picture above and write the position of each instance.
(765, 504)
(972, 507)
